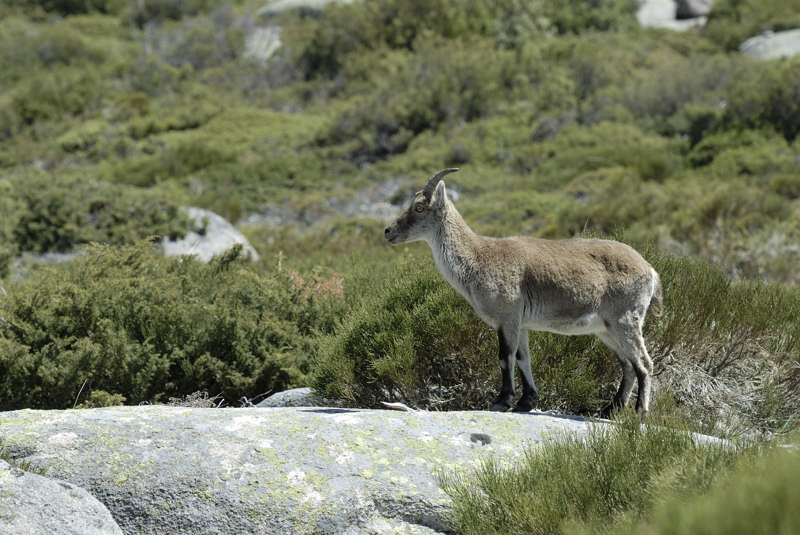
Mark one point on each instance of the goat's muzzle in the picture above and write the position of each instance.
(390, 234)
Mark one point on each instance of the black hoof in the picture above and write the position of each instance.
(523, 406)
(499, 407)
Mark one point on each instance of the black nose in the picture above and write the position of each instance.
(386, 231)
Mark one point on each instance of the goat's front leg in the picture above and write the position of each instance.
(529, 391)
(509, 341)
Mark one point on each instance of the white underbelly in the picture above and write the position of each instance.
(589, 324)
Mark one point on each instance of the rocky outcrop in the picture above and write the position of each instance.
(170, 470)
(34, 505)
(306, 8)
(771, 45)
(674, 15)
(689, 9)
(295, 397)
(217, 236)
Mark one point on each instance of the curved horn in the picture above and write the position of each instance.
(428, 191)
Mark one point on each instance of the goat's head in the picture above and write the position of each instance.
(418, 220)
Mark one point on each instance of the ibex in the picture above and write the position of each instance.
(576, 286)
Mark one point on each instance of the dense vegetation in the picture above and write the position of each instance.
(125, 324)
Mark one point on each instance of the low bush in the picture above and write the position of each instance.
(731, 22)
(58, 213)
(577, 16)
(128, 322)
(70, 7)
(762, 492)
(586, 484)
(392, 24)
(768, 98)
(142, 13)
(414, 341)
(667, 94)
(451, 82)
(202, 42)
(56, 93)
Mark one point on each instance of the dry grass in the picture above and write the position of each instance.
(198, 400)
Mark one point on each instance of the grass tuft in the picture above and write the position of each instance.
(590, 483)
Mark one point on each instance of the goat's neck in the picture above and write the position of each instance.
(453, 244)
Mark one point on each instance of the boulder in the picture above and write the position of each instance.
(771, 45)
(295, 397)
(306, 8)
(31, 504)
(218, 235)
(689, 9)
(163, 469)
(664, 14)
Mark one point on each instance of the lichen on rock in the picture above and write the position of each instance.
(320, 470)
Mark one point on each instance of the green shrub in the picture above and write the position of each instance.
(579, 16)
(129, 322)
(350, 27)
(416, 342)
(605, 145)
(101, 398)
(667, 95)
(202, 42)
(731, 22)
(768, 98)
(8, 245)
(66, 46)
(57, 213)
(597, 206)
(56, 93)
(143, 12)
(451, 83)
(761, 492)
(152, 76)
(591, 483)
(174, 162)
(67, 7)
(708, 147)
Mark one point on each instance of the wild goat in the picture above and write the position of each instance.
(577, 286)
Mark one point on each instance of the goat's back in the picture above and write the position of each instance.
(578, 271)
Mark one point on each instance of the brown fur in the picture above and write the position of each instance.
(578, 286)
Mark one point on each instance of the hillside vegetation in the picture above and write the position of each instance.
(566, 118)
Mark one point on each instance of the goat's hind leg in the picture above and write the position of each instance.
(635, 361)
(625, 389)
(644, 373)
(509, 342)
(529, 391)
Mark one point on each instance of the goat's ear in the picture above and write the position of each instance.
(439, 195)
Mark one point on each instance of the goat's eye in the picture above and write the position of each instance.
(419, 208)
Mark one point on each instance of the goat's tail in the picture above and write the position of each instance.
(657, 300)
